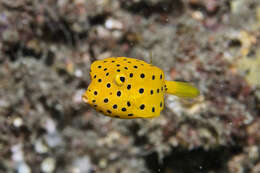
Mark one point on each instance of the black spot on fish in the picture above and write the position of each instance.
(142, 106)
(141, 90)
(114, 106)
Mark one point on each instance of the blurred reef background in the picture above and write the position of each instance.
(47, 47)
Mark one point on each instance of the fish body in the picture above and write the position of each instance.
(130, 88)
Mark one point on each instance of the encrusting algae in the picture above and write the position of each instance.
(130, 88)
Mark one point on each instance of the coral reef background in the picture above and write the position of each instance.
(46, 51)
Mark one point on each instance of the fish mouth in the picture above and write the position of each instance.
(85, 98)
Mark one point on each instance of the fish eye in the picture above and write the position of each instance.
(120, 79)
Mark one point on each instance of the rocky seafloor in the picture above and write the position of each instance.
(46, 51)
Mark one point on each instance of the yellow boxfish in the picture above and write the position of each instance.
(130, 88)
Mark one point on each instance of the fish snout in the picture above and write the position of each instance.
(85, 98)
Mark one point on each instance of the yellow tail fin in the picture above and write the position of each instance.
(181, 89)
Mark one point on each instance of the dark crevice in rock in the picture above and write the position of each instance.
(98, 19)
(16, 50)
(196, 161)
(59, 31)
(147, 9)
(138, 140)
(13, 51)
